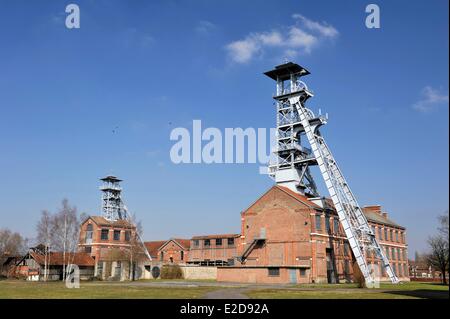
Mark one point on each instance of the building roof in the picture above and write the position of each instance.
(153, 246)
(372, 213)
(101, 221)
(377, 217)
(283, 71)
(217, 236)
(57, 258)
(186, 243)
(301, 198)
(111, 178)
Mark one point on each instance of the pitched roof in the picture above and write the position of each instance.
(297, 196)
(377, 217)
(186, 243)
(217, 236)
(57, 259)
(153, 246)
(372, 213)
(101, 221)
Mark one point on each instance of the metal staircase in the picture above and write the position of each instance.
(249, 249)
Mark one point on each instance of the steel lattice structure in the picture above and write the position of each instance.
(294, 122)
(113, 207)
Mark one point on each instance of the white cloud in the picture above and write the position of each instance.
(300, 37)
(322, 28)
(243, 50)
(430, 98)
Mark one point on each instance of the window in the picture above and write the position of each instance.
(89, 227)
(385, 234)
(182, 255)
(387, 252)
(327, 224)
(127, 235)
(336, 225)
(391, 235)
(100, 268)
(380, 233)
(196, 243)
(207, 242)
(116, 235)
(374, 231)
(219, 242)
(88, 249)
(88, 237)
(318, 222)
(104, 234)
(230, 241)
(274, 271)
(231, 262)
(302, 272)
(161, 256)
(396, 236)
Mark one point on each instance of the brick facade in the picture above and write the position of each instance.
(213, 250)
(287, 237)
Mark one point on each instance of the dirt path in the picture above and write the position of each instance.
(229, 293)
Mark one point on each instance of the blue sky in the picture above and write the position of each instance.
(79, 104)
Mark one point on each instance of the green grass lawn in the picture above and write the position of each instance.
(92, 290)
(111, 290)
(412, 290)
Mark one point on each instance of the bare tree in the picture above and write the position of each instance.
(136, 252)
(11, 244)
(44, 236)
(65, 231)
(59, 232)
(439, 245)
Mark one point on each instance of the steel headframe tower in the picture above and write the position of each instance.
(293, 159)
(294, 121)
(113, 207)
(112, 204)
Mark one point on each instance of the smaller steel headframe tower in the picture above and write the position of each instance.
(293, 158)
(112, 204)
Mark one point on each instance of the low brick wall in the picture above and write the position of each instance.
(199, 272)
(258, 275)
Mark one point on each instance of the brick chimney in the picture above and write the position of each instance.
(373, 209)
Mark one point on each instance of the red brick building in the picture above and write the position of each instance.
(285, 237)
(173, 251)
(290, 238)
(214, 250)
(111, 244)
